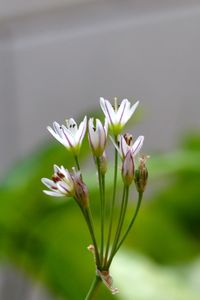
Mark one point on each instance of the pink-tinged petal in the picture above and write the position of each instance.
(128, 168)
(108, 111)
(137, 145)
(124, 148)
(81, 131)
(62, 187)
(122, 110)
(54, 194)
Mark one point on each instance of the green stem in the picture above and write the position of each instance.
(101, 208)
(132, 221)
(77, 162)
(103, 205)
(89, 222)
(93, 289)
(120, 223)
(113, 203)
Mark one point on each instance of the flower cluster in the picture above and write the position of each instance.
(70, 183)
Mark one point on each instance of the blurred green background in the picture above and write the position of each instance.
(47, 239)
(57, 58)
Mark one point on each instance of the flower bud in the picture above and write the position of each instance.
(97, 134)
(128, 169)
(81, 191)
(141, 175)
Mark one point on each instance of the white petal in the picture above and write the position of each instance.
(54, 194)
(69, 137)
(55, 135)
(99, 125)
(64, 171)
(132, 110)
(49, 183)
(116, 146)
(72, 125)
(81, 131)
(137, 145)
(62, 187)
(122, 111)
(108, 111)
(90, 125)
(93, 136)
(57, 128)
(101, 135)
(56, 169)
(95, 139)
(106, 126)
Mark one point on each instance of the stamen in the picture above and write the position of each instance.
(61, 175)
(54, 188)
(115, 104)
(55, 178)
(128, 138)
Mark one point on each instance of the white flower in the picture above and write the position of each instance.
(97, 134)
(62, 183)
(71, 136)
(126, 144)
(117, 117)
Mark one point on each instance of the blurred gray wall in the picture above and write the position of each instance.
(56, 62)
(58, 57)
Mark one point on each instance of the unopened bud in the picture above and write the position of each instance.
(141, 175)
(81, 190)
(128, 169)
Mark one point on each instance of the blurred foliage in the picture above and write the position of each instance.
(47, 238)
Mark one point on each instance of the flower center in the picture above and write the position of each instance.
(129, 139)
(116, 105)
(57, 177)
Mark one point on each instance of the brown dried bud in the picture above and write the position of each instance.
(141, 175)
